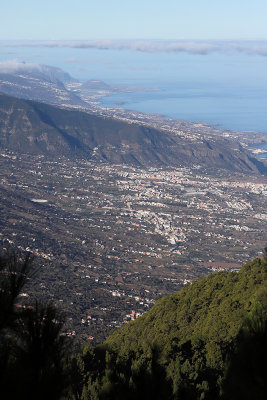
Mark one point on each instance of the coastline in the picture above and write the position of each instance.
(255, 142)
(88, 96)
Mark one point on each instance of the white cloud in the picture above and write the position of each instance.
(154, 46)
(13, 66)
(140, 45)
(16, 66)
(260, 50)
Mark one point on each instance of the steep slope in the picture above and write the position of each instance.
(183, 346)
(37, 128)
(38, 82)
(210, 309)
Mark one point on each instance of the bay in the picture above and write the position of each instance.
(238, 109)
(226, 89)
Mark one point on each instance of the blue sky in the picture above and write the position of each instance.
(135, 19)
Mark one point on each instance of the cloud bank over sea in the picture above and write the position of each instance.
(21, 67)
(12, 66)
(152, 46)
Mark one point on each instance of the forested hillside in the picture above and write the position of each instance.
(210, 309)
(208, 341)
(185, 345)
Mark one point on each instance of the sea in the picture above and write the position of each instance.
(226, 89)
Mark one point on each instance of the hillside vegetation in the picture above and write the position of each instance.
(209, 341)
(210, 309)
(185, 346)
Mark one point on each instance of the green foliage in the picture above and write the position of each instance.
(33, 354)
(14, 272)
(246, 372)
(209, 341)
(181, 348)
(211, 309)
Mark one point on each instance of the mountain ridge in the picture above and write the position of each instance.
(39, 128)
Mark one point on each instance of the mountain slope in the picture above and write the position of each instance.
(211, 309)
(208, 341)
(37, 128)
(38, 82)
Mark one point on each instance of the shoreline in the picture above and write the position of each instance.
(253, 141)
(87, 97)
(93, 99)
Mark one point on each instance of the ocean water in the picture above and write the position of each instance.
(226, 89)
(234, 109)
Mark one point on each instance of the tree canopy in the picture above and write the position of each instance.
(207, 341)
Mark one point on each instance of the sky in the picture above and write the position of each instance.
(134, 19)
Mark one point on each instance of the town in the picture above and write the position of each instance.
(111, 239)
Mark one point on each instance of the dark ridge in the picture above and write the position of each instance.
(30, 127)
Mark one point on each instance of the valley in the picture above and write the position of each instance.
(111, 239)
(120, 208)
